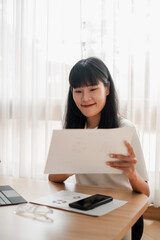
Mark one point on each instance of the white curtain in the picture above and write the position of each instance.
(40, 40)
(36, 51)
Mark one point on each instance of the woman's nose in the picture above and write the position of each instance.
(86, 96)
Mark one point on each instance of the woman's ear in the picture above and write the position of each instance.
(107, 91)
(107, 88)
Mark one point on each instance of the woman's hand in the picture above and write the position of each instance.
(127, 165)
(127, 162)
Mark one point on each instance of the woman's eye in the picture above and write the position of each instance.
(77, 91)
(93, 89)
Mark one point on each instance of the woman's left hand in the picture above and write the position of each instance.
(127, 162)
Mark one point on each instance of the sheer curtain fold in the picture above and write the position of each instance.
(40, 40)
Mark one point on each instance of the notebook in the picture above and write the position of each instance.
(8, 196)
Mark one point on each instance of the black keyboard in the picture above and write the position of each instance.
(8, 196)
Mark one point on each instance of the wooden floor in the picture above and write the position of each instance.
(151, 230)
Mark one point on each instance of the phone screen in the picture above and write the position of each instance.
(91, 202)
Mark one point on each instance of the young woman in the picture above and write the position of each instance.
(92, 103)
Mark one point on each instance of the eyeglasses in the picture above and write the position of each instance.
(40, 213)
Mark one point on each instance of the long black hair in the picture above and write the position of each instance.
(88, 72)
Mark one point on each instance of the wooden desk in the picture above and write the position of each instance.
(69, 225)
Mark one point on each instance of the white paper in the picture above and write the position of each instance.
(86, 150)
(62, 199)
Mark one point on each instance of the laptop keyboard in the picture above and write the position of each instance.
(4, 200)
(8, 196)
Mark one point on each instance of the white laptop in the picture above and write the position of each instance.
(86, 150)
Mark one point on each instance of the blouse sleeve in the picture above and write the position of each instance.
(140, 166)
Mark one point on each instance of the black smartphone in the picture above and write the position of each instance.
(91, 202)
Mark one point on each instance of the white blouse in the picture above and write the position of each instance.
(118, 180)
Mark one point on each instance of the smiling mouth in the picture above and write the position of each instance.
(89, 105)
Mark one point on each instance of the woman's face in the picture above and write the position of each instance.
(91, 99)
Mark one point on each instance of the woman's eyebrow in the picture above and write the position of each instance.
(92, 86)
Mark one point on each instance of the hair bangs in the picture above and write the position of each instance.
(83, 77)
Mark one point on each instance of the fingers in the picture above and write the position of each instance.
(121, 164)
(122, 157)
(127, 162)
(129, 157)
(130, 149)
